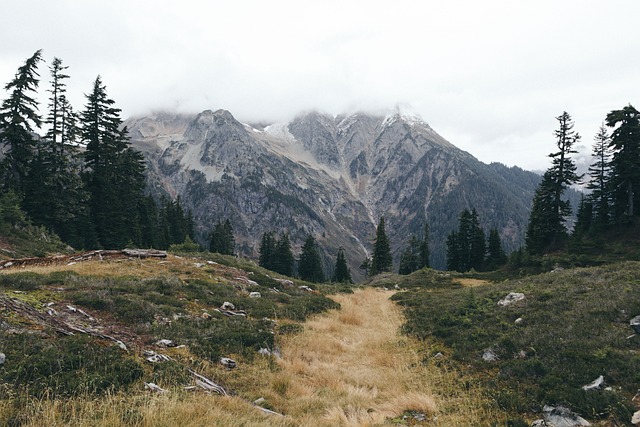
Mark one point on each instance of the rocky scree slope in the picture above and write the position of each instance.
(331, 177)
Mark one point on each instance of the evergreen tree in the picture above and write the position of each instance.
(424, 252)
(310, 263)
(477, 244)
(54, 193)
(546, 229)
(267, 251)
(410, 257)
(625, 164)
(381, 259)
(496, 256)
(466, 247)
(584, 217)
(114, 172)
(18, 118)
(221, 238)
(453, 252)
(341, 274)
(599, 173)
(283, 260)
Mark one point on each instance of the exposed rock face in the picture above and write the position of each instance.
(332, 177)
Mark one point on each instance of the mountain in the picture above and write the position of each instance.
(332, 177)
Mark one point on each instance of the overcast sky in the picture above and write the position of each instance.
(490, 76)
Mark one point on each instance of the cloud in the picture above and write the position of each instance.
(489, 76)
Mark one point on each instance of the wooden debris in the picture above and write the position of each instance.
(208, 385)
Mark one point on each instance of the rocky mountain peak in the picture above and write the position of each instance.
(331, 177)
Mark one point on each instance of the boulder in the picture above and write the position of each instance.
(489, 355)
(227, 306)
(3, 358)
(255, 295)
(636, 418)
(511, 298)
(228, 363)
(635, 324)
(165, 343)
(595, 385)
(559, 416)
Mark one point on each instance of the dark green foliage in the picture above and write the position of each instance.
(65, 367)
(114, 172)
(546, 230)
(409, 257)
(267, 251)
(575, 327)
(381, 259)
(466, 247)
(310, 263)
(221, 239)
(276, 254)
(283, 263)
(342, 273)
(18, 118)
(600, 174)
(625, 163)
(496, 256)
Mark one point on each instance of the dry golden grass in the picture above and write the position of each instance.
(349, 367)
(470, 283)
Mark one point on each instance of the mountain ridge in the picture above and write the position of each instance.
(329, 176)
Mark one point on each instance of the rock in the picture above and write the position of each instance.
(595, 385)
(539, 423)
(154, 388)
(267, 352)
(227, 306)
(206, 315)
(489, 355)
(438, 355)
(513, 297)
(559, 416)
(635, 324)
(154, 357)
(305, 288)
(3, 358)
(228, 363)
(284, 282)
(636, 418)
(518, 320)
(255, 295)
(165, 343)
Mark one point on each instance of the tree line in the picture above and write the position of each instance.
(613, 180)
(82, 180)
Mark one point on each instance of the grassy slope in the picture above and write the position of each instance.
(574, 327)
(137, 302)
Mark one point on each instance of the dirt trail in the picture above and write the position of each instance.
(352, 367)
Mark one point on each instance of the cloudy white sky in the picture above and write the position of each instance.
(490, 76)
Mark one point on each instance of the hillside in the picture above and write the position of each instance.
(332, 177)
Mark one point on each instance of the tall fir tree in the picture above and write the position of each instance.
(310, 263)
(55, 196)
(114, 172)
(466, 247)
(600, 175)
(341, 273)
(410, 257)
(283, 262)
(625, 163)
(221, 239)
(546, 229)
(424, 251)
(267, 251)
(381, 259)
(496, 257)
(19, 117)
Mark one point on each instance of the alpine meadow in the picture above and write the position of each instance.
(355, 269)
